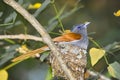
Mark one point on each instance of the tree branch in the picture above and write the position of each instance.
(21, 36)
(46, 38)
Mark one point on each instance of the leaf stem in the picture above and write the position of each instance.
(56, 11)
(106, 60)
(91, 39)
(11, 65)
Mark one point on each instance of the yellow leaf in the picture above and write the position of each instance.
(117, 13)
(96, 55)
(3, 75)
(34, 6)
(111, 70)
(23, 49)
(67, 31)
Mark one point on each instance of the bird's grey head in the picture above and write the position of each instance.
(80, 28)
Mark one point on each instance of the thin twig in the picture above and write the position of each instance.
(96, 74)
(46, 38)
(21, 36)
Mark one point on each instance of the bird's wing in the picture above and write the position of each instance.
(67, 37)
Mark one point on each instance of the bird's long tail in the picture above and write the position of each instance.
(64, 38)
(31, 53)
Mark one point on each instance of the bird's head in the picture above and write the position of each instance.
(80, 28)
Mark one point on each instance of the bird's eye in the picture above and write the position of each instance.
(79, 27)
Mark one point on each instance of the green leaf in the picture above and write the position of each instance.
(1, 13)
(114, 70)
(3, 75)
(9, 20)
(44, 56)
(113, 47)
(10, 41)
(9, 53)
(49, 74)
(96, 55)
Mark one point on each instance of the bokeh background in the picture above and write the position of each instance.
(104, 28)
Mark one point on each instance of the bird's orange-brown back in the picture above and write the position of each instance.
(67, 37)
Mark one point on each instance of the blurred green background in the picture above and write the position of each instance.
(104, 28)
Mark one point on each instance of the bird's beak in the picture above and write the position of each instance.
(86, 24)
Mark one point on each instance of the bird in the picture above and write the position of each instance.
(72, 46)
(78, 37)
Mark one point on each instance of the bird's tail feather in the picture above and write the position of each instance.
(31, 53)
